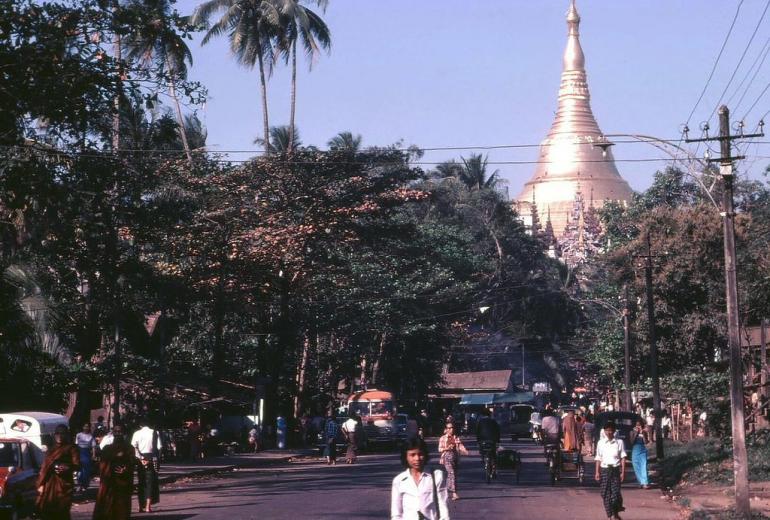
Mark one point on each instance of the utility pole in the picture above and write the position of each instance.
(116, 394)
(627, 351)
(762, 372)
(523, 382)
(740, 458)
(763, 359)
(656, 409)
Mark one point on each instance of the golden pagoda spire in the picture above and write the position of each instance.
(574, 142)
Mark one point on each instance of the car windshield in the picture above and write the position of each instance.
(9, 454)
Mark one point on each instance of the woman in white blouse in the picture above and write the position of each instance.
(416, 493)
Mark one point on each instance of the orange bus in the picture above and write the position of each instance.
(377, 409)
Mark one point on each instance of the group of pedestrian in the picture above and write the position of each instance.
(118, 457)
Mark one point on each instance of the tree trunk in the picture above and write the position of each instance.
(218, 350)
(301, 371)
(116, 102)
(378, 360)
(180, 121)
(362, 378)
(116, 393)
(265, 120)
(293, 94)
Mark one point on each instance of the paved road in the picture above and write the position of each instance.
(315, 491)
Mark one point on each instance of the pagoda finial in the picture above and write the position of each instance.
(573, 18)
(574, 59)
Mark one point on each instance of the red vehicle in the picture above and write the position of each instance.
(377, 409)
(18, 474)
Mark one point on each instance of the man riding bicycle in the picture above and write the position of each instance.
(488, 437)
(551, 430)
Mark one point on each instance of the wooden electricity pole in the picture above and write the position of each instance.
(627, 351)
(656, 408)
(740, 458)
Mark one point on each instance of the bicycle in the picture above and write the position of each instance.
(488, 452)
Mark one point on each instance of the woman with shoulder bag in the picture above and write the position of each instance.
(450, 447)
(417, 493)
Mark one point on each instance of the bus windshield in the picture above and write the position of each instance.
(367, 408)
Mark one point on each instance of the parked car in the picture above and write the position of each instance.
(35, 427)
(519, 422)
(18, 474)
(624, 423)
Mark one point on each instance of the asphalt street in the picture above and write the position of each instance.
(316, 491)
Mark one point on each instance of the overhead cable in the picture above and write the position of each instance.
(716, 62)
(740, 61)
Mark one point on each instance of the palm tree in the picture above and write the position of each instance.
(33, 313)
(252, 26)
(299, 23)
(447, 170)
(345, 141)
(474, 173)
(281, 140)
(156, 42)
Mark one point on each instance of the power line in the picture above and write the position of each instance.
(761, 95)
(62, 155)
(740, 61)
(716, 62)
(762, 54)
(384, 148)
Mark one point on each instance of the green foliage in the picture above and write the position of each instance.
(606, 353)
(709, 460)
(686, 241)
(304, 268)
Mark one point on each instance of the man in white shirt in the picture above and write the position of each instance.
(147, 445)
(416, 493)
(349, 428)
(106, 440)
(611, 470)
(142, 441)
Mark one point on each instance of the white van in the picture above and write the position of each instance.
(35, 427)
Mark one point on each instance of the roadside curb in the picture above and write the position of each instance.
(90, 495)
(255, 463)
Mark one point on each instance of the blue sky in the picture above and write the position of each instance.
(440, 73)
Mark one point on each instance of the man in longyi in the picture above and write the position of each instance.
(55, 483)
(116, 479)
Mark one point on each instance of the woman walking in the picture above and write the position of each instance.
(450, 447)
(611, 471)
(639, 454)
(417, 493)
(86, 444)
